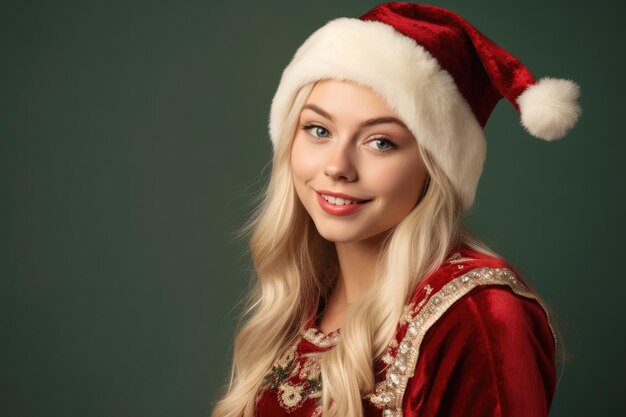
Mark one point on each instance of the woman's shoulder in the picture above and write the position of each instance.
(473, 312)
(487, 285)
(465, 270)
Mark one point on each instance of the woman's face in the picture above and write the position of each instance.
(350, 146)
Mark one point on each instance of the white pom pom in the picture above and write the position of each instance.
(549, 108)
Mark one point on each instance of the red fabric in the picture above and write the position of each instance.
(490, 354)
(482, 70)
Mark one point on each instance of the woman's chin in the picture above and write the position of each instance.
(340, 234)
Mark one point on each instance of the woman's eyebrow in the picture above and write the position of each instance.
(370, 122)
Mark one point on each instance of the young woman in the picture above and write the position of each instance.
(372, 299)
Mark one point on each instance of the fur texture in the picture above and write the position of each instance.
(407, 77)
(549, 108)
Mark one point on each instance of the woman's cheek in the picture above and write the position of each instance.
(306, 159)
(385, 178)
(396, 179)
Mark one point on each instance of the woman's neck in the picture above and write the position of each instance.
(357, 262)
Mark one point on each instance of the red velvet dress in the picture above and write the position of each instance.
(474, 341)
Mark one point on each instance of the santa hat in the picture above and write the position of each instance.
(438, 73)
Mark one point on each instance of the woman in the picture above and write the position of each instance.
(371, 297)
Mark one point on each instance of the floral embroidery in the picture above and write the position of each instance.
(290, 395)
(388, 394)
(293, 380)
(283, 368)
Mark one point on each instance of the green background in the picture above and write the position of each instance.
(134, 136)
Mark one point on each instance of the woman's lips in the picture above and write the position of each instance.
(339, 210)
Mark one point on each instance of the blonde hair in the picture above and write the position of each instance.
(295, 267)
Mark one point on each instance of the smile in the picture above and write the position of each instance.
(339, 206)
(338, 201)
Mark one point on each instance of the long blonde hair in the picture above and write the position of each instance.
(295, 267)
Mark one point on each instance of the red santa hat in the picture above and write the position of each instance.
(438, 73)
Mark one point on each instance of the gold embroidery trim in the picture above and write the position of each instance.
(409, 311)
(389, 393)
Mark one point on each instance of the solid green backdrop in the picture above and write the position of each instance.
(134, 136)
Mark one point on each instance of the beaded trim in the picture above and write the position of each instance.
(319, 338)
(389, 393)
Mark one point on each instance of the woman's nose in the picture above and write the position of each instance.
(340, 165)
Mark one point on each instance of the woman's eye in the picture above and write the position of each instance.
(316, 130)
(381, 144)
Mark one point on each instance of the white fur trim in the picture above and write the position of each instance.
(549, 108)
(410, 80)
